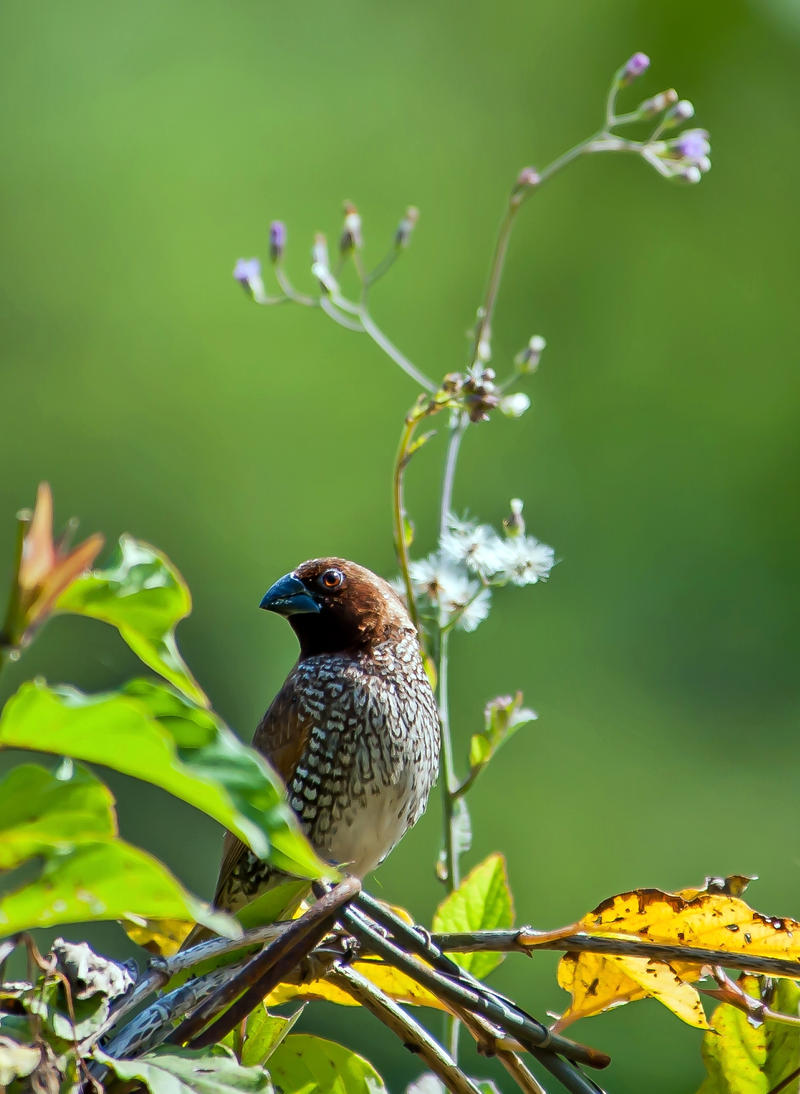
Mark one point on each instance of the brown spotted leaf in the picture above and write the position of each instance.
(708, 920)
(598, 983)
(712, 918)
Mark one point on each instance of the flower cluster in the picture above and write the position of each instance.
(455, 581)
(685, 157)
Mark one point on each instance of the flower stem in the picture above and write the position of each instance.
(399, 512)
(451, 459)
(391, 350)
(9, 637)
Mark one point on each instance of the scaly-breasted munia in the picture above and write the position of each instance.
(353, 732)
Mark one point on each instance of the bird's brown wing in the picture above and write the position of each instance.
(281, 736)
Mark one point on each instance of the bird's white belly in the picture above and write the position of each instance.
(368, 830)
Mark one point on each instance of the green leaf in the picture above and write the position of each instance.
(745, 1059)
(106, 879)
(503, 717)
(783, 1041)
(151, 733)
(264, 1034)
(482, 902)
(143, 595)
(190, 1071)
(41, 812)
(49, 1003)
(305, 1064)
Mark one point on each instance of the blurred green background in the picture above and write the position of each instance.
(146, 147)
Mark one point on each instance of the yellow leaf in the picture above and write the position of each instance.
(598, 983)
(396, 984)
(159, 936)
(707, 920)
(714, 918)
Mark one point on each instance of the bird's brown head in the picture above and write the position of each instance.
(334, 606)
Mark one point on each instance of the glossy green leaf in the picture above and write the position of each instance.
(151, 733)
(482, 902)
(264, 1034)
(143, 595)
(305, 1064)
(172, 1070)
(745, 1059)
(41, 812)
(106, 879)
(502, 718)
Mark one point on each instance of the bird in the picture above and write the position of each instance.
(354, 730)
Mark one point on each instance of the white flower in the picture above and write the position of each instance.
(460, 599)
(475, 611)
(526, 560)
(476, 546)
(514, 406)
(426, 577)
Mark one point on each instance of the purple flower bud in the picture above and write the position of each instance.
(247, 272)
(692, 146)
(277, 240)
(528, 176)
(638, 64)
(246, 269)
(526, 180)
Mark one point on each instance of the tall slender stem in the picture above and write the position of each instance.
(452, 1026)
(448, 479)
(399, 514)
(449, 781)
(8, 633)
(515, 203)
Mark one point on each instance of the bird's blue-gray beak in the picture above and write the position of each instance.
(289, 596)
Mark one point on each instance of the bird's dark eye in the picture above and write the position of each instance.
(331, 579)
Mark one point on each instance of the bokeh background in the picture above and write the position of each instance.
(146, 147)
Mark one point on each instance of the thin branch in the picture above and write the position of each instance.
(265, 971)
(160, 970)
(151, 1026)
(425, 946)
(413, 1036)
(383, 266)
(290, 291)
(343, 320)
(526, 940)
(391, 350)
(491, 1043)
(481, 1000)
(756, 1010)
